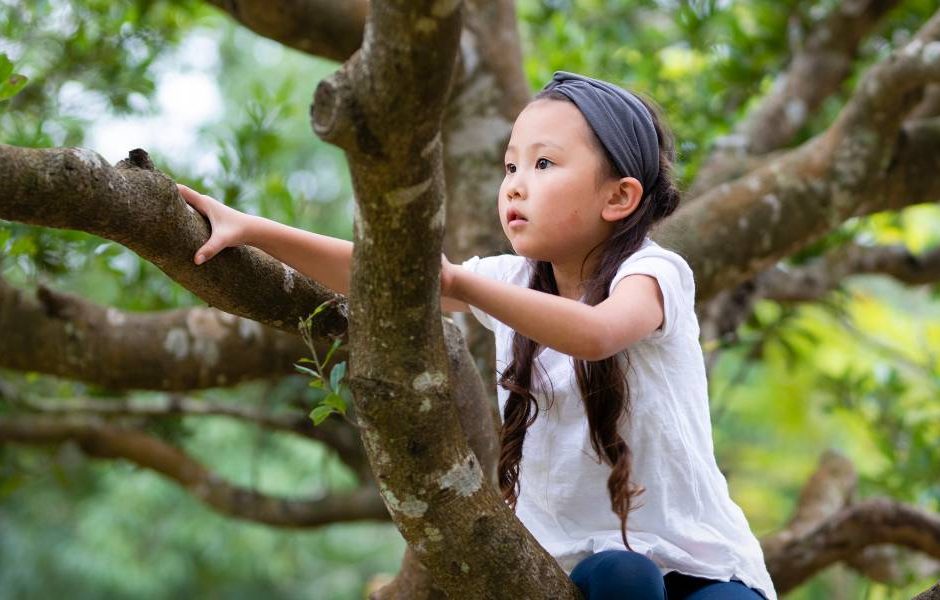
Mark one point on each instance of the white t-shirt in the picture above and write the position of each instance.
(686, 520)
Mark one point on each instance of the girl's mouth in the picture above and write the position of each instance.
(514, 218)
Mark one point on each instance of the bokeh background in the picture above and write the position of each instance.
(226, 111)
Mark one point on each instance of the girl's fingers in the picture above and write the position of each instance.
(217, 225)
(190, 195)
(203, 254)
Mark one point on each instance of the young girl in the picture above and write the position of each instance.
(602, 387)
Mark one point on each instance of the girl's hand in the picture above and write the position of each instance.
(448, 278)
(229, 226)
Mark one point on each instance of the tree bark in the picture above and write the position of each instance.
(384, 107)
(185, 349)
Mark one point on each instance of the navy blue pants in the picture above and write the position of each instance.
(620, 574)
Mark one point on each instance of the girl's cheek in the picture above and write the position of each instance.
(572, 219)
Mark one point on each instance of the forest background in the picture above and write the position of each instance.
(855, 369)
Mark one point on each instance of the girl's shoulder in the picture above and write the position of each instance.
(510, 268)
(652, 256)
(675, 279)
(651, 248)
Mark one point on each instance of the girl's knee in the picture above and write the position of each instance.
(615, 574)
(631, 564)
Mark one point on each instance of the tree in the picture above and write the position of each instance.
(421, 107)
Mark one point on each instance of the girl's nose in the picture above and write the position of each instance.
(515, 189)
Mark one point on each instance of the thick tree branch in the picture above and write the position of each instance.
(911, 178)
(816, 71)
(64, 335)
(828, 526)
(140, 208)
(742, 227)
(75, 188)
(99, 439)
(323, 28)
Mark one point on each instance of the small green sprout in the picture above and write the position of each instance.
(330, 390)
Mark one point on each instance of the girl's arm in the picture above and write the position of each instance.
(630, 313)
(320, 257)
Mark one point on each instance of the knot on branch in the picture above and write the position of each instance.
(337, 116)
(137, 159)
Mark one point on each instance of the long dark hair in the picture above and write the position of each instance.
(602, 383)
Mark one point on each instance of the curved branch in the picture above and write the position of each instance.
(99, 439)
(332, 30)
(847, 533)
(893, 88)
(741, 228)
(337, 434)
(65, 335)
(827, 526)
(816, 71)
(814, 280)
(140, 208)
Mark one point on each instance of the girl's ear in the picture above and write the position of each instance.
(623, 197)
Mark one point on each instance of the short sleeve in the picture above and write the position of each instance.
(676, 286)
(509, 268)
(474, 263)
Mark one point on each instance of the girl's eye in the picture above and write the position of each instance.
(510, 168)
(542, 161)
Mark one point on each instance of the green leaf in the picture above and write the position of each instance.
(10, 82)
(319, 309)
(336, 401)
(12, 85)
(6, 66)
(317, 395)
(307, 360)
(316, 383)
(320, 413)
(336, 375)
(310, 372)
(332, 349)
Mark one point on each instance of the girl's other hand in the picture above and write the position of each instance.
(448, 278)
(228, 226)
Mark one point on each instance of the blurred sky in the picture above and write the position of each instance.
(187, 98)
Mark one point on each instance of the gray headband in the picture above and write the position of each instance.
(620, 120)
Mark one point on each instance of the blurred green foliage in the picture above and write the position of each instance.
(858, 372)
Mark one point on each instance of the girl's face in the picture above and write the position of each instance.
(550, 203)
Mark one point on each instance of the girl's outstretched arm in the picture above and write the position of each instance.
(633, 311)
(320, 257)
